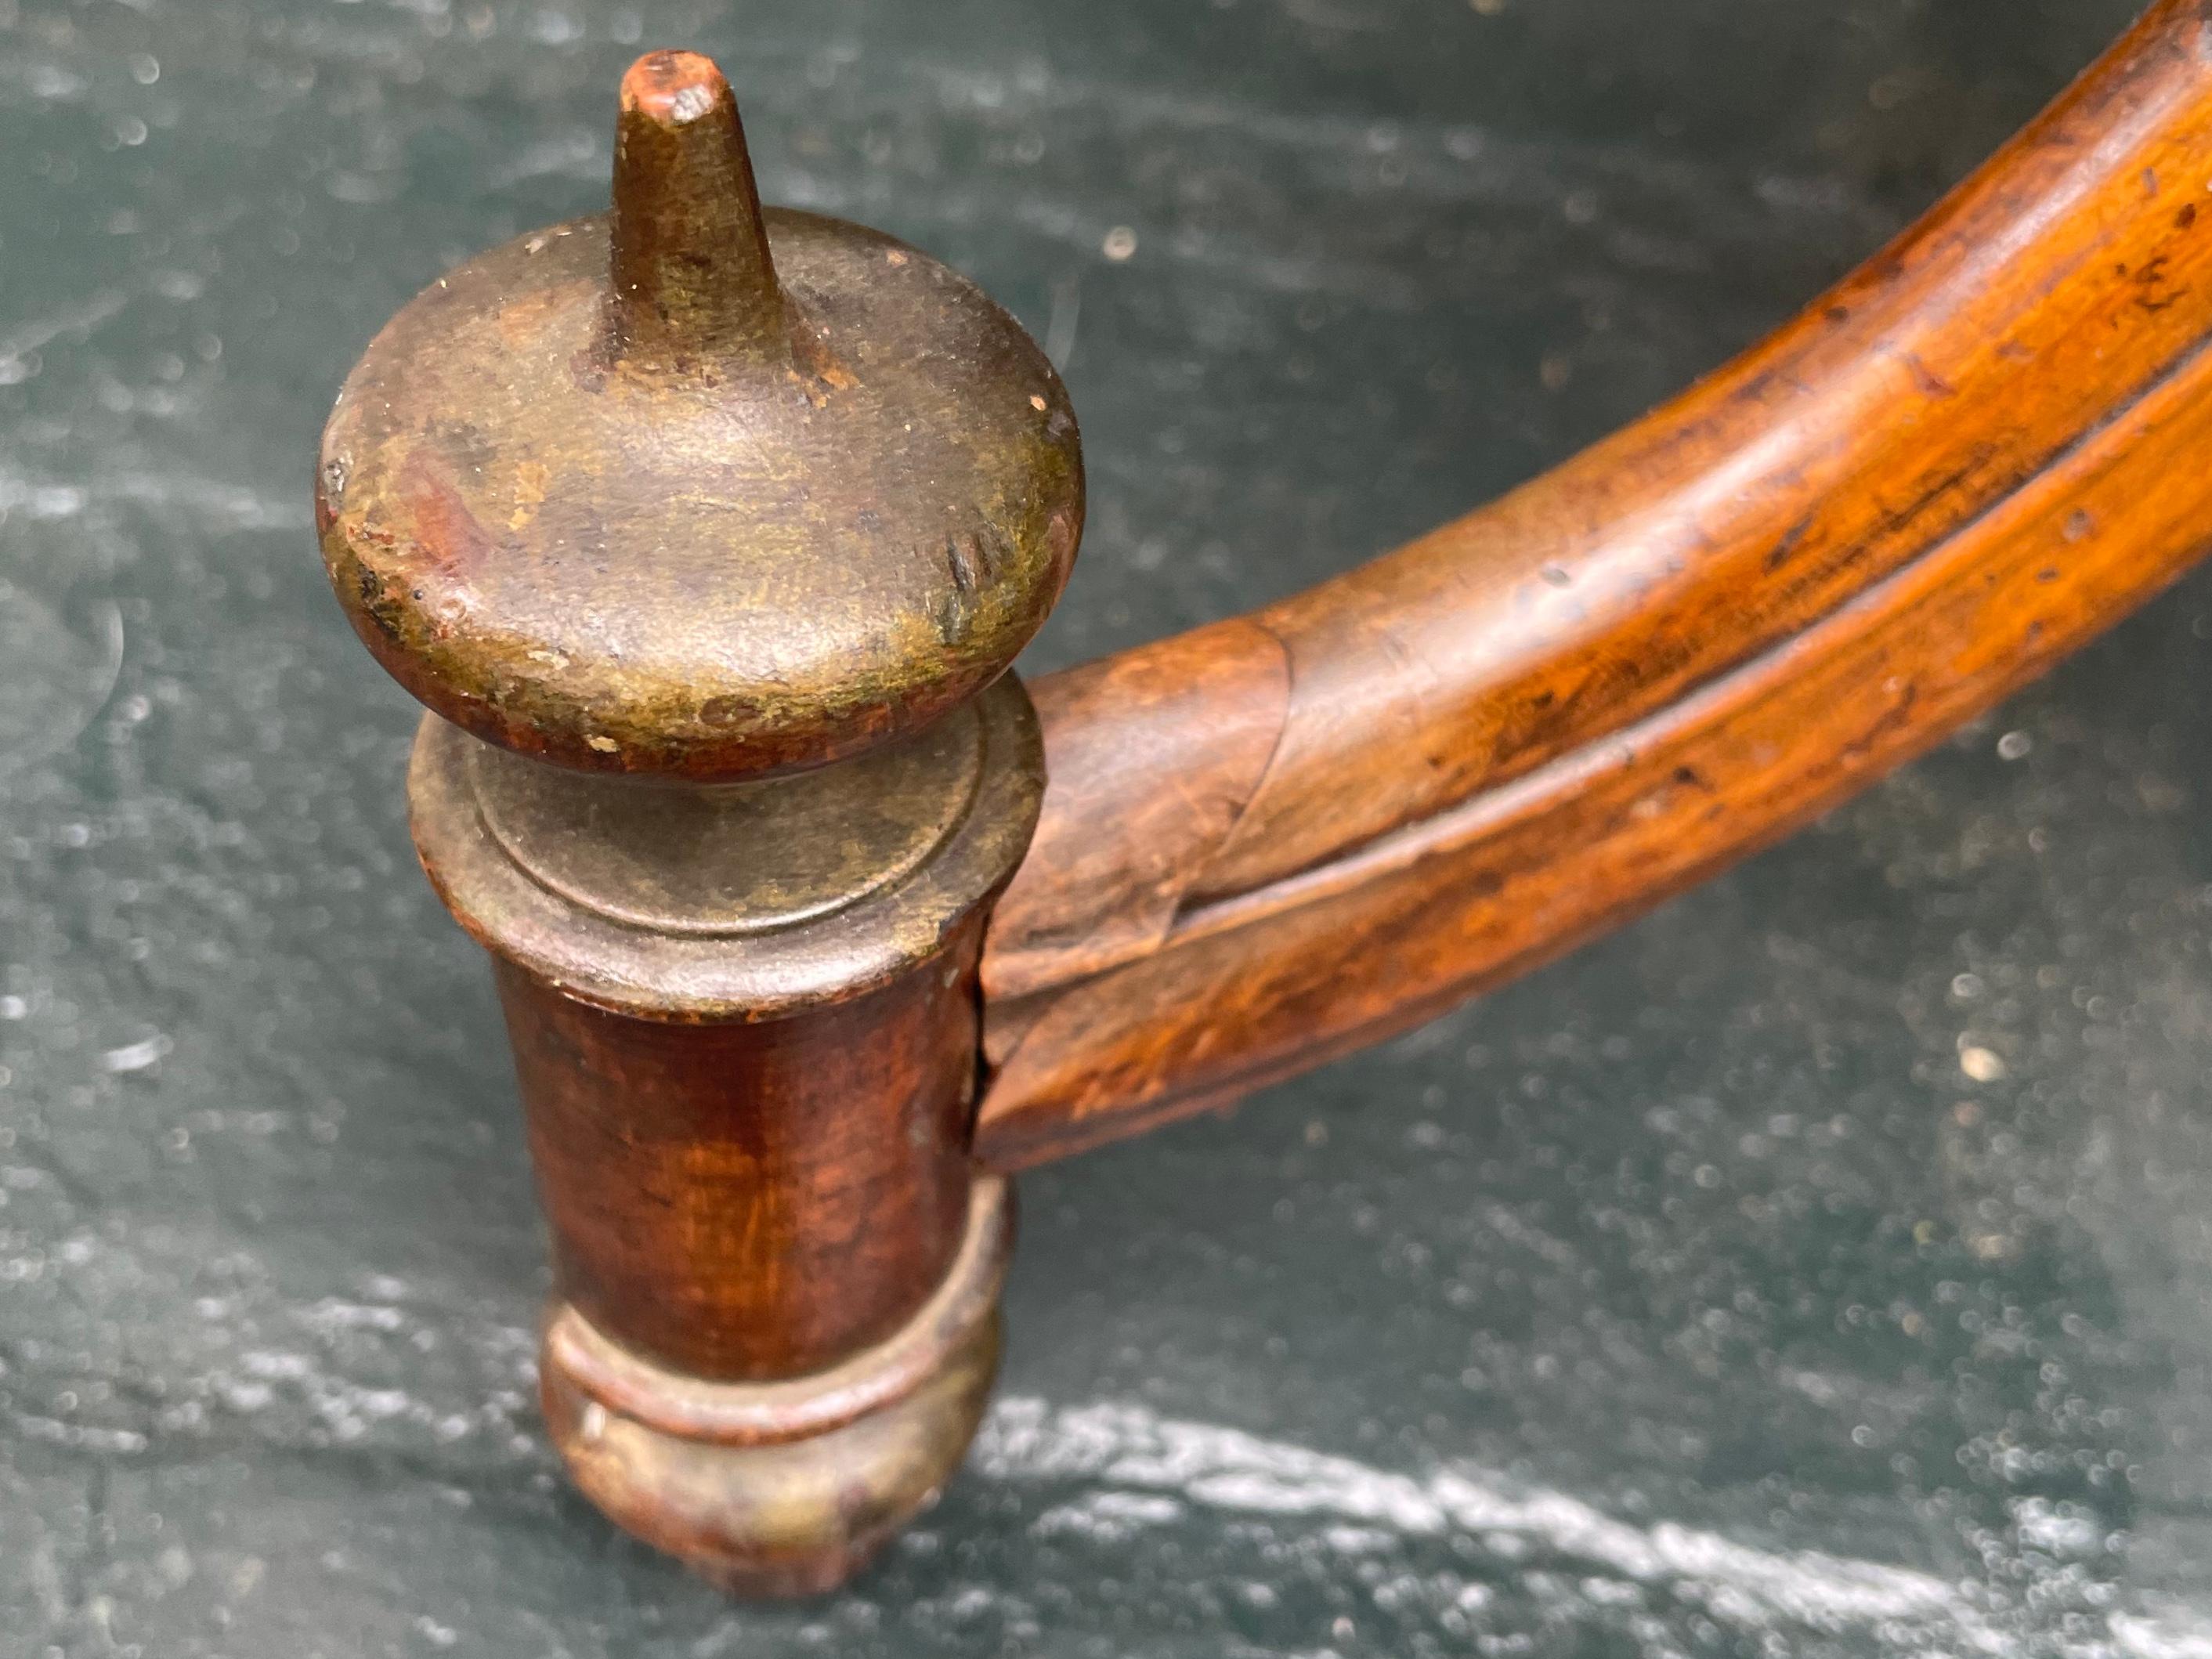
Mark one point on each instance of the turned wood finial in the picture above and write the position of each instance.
(708, 534)
(697, 488)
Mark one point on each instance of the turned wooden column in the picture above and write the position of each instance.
(707, 534)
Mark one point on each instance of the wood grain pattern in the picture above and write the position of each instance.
(745, 1200)
(1978, 451)
(1211, 702)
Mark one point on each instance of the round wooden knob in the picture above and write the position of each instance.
(695, 490)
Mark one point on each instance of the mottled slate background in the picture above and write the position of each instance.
(1692, 1297)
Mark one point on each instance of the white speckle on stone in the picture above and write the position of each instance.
(1983, 1064)
(135, 1056)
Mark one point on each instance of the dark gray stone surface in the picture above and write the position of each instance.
(1817, 1267)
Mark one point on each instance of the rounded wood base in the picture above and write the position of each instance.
(788, 1488)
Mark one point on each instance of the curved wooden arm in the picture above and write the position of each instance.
(1274, 839)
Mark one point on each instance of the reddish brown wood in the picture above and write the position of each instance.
(1975, 452)
(1180, 734)
(747, 1201)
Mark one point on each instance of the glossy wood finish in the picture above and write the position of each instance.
(1272, 840)
(747, 1201)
